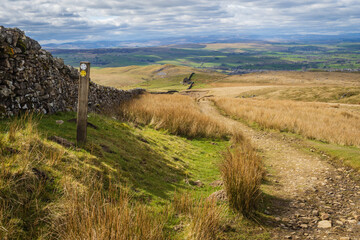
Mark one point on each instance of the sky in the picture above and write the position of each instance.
(58, 21)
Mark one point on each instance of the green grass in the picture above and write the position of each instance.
(151, 164)
(347, 155)
(342, 155)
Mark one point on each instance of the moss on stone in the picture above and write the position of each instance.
(10, 51)
(20, 44)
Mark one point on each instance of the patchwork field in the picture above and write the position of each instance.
(226, 57)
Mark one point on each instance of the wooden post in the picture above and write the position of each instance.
(82, 107)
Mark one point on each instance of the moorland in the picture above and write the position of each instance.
(262, 155)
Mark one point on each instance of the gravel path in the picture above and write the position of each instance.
(311, 199)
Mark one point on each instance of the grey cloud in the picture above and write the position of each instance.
(113, 19)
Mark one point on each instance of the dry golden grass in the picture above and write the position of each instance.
(297, 78)
(206, 220)
(94, 215)
(242, 172)
(338, 94)
(321, 121)
(183, 203)
(176, 113)
(205, 216)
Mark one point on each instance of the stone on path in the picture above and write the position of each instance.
(324, 224)
(344, 238)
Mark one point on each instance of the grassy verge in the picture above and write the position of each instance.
(119, 186)
(150, 164)
(347, 155)
(339, 155)
(241, 169)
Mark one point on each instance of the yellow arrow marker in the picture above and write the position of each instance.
(83, 73)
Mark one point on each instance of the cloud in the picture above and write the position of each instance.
(67, 20)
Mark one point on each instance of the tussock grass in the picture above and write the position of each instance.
(319, 121)
(205, 216)
(95, 215)
(176, 113)
(51, 192)
(242, 172)
(183, 203)
(42, 196)
(241, 169)
(206, 220)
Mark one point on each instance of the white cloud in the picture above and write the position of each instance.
(118, 20)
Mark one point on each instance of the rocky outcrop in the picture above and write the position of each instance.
(32, 79)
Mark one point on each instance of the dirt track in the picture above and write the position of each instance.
(311, 199)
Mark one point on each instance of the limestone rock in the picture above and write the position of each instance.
(324, 224)
(325, 216)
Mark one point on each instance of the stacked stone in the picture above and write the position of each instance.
(32, 79)
(101, 97)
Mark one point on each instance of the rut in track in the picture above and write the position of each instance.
(311, 199)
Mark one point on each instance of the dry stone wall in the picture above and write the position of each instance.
(32, 79)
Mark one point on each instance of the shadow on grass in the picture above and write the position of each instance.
(123, 155)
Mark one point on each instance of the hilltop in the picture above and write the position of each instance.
(159, 77)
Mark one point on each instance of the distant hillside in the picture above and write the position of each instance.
(165, 77)
(231, 58)
(295, 38)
